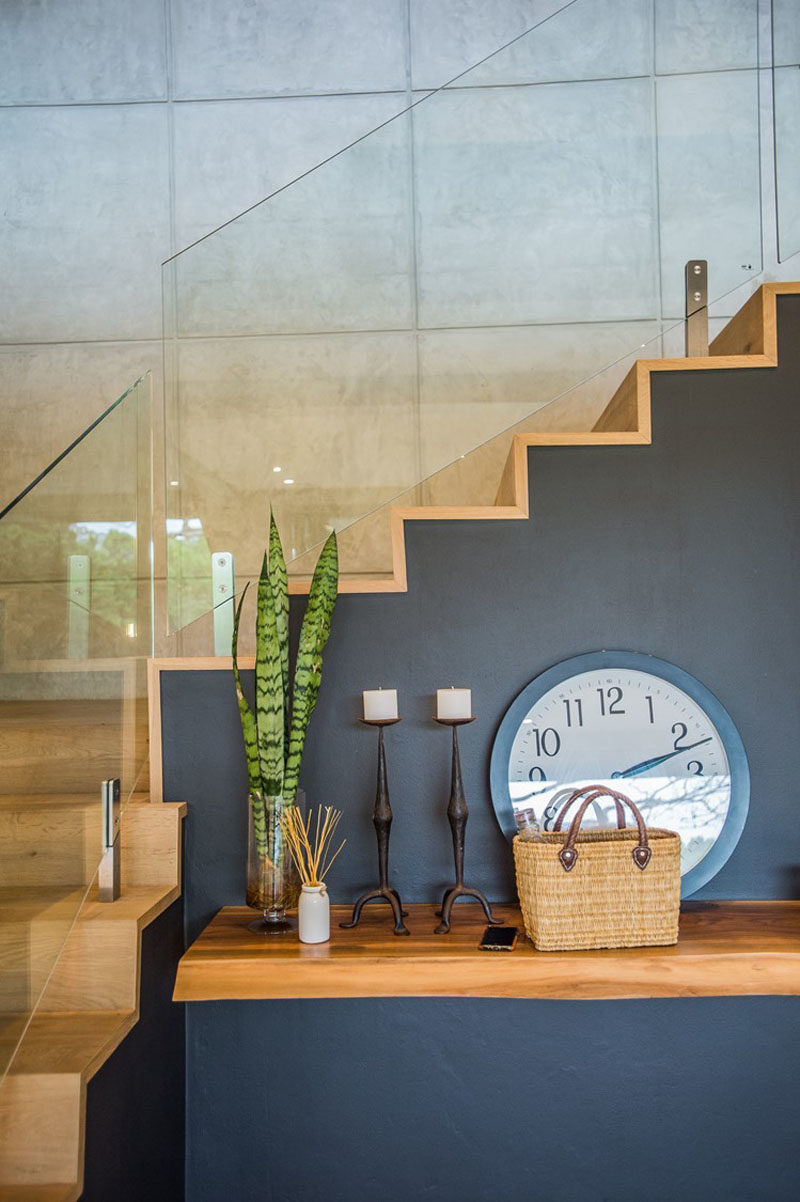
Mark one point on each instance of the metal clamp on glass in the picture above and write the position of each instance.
(697, 308)
(108, 876)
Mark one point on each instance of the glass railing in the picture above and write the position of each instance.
(368, 547)
(501, 240)
(786, 116)
(75, 632)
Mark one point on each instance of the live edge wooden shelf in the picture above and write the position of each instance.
(725, 948)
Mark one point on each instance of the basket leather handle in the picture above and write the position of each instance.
(641, 853)
(621, 823)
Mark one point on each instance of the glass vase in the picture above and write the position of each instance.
(273, 882)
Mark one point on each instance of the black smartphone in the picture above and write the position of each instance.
(499, 939)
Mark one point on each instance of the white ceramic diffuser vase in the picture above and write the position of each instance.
(314, 914)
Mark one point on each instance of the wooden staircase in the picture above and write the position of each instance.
(495, 475)
(90, 998)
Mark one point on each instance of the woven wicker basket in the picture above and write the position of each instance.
(599, 888)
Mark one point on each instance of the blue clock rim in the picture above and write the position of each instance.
(739, 805)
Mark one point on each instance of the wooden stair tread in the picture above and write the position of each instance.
(38, 1193)
(24, 802)
(94, 965)
(63, 711)
(57, 842)
(12, 1026)
(46, 843)
(138, 903)
(19, 903)
(71, 1041)
(36, 801)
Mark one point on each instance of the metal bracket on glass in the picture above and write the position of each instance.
(108, 877)
(697, 308)
(222, 585)
(78, 586)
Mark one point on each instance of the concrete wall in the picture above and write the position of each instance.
(128, 131)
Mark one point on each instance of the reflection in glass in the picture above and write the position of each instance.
(629, 731)
(695, 807)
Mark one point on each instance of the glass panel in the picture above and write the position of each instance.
(503, 239)
(786, 110)
(75, 631)
(366, 545)
(709, 180)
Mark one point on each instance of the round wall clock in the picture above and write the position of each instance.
(641, 725)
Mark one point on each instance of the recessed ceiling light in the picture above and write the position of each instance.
(174, 483)
(277, 469)
(289, 481)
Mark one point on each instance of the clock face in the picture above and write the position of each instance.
(640, 726)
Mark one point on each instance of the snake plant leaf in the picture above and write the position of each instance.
(249, 729)
(260, 832)
(269, 688)
(280, 596)
(308, 671)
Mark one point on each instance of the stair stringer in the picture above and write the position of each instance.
(89, 1005)
(749, 340)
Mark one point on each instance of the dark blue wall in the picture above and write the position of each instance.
(476, 1100)
(687, 549)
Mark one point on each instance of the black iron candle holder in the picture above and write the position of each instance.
(457, 815)
(382, 820)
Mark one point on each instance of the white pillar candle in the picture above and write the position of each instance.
(380, 705)
(453, 703)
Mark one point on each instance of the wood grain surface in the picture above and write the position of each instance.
(725, 948)
(83, 956)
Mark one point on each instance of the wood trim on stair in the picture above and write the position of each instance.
(749, 340)
(90, 1003)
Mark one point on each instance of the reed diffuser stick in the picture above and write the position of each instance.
(312, 852)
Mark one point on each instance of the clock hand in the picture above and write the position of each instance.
(645, 765)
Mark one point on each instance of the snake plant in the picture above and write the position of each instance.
(274, 736)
